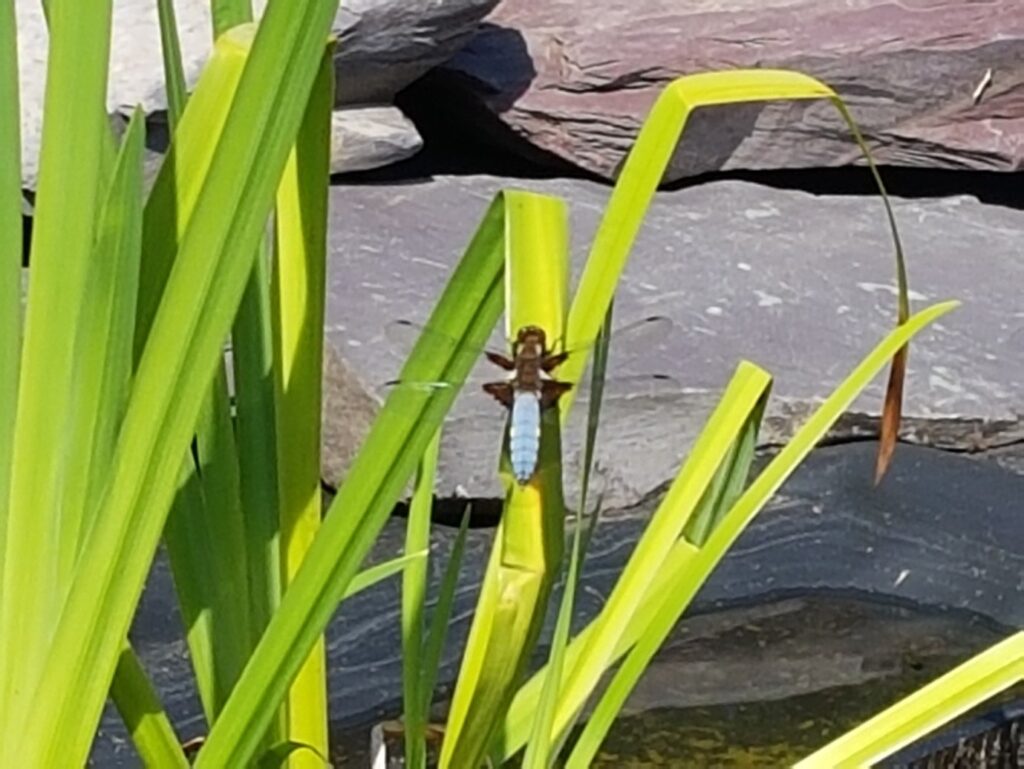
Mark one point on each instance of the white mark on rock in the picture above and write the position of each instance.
(764, 299)
(428, 262)
(842, 309)
(872, 288)
(713, 310)
(744, 266)
(941, 378)
(354, 343)
(761, 213)
(902, 576)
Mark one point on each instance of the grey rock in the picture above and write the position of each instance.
(577, 80)
(371, 137)
(136, 68)
(383, 46)
(940, 534)
(800, 284)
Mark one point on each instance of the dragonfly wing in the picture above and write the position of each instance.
(621, 386)
(631, 341)
(403, 334)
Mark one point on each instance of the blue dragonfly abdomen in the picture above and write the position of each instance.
(524, 434)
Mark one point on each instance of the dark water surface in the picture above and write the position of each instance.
(763, 686)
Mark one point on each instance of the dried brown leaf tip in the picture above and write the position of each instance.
(892, 412)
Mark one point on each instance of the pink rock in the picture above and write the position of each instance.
(577, 78)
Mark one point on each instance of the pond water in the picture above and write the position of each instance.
(762, 686)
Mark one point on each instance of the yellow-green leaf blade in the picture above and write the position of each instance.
(299, 287)
(745, 391)
(688, 565)
(415, 708)
(202, 295)
(103, 346)
(527, 550)
(643, 171)
(144, 716)
(67, 205)
(981, 677)
(467, 312)
(10, 253)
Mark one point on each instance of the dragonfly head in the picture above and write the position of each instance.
(531, 336)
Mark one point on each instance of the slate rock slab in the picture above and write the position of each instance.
(942, 532)
(383, 45)
(800, 284)
(577, 79)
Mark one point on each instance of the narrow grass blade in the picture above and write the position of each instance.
(10, 256)
(970, 684)
(414, 592)
(371, 576)
(741, 397)
(192, 556)
(544, 744)
(729, 481)
(299, 288)
(103, 346)
(599, 368)
(229, 13)
(174, 71)
(645, 167)
(191, 550)
(214, 259)
(177, 188)
(220, 524)
(67, 207)
(252, 355)
(467, 311)
(147, 723)
(527, 550)
(283, 753)
(694, 566)
(440, 618)
(724, 490)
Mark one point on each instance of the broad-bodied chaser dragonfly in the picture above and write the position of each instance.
(532, 385)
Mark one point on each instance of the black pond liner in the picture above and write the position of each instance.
(994, 740)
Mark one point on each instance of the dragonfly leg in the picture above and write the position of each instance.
(501, 392)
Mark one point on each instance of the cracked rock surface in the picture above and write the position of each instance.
(800, 284)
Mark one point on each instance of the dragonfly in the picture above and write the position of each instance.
(531, 386)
